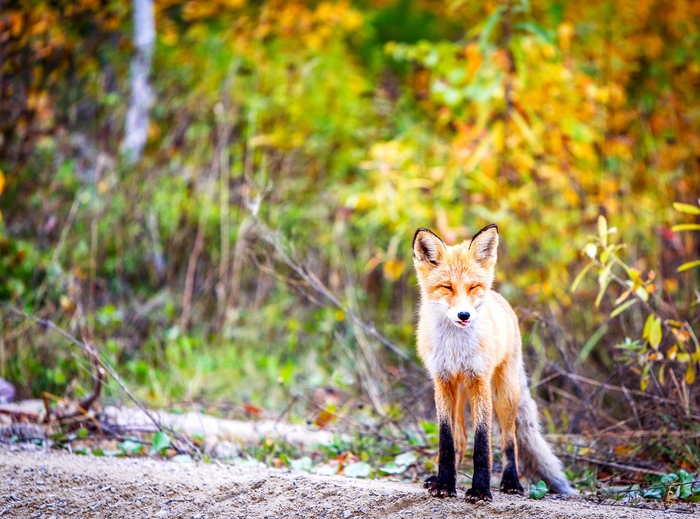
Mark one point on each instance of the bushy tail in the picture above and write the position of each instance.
(536, 459)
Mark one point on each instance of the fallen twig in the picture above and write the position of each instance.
(613, 464)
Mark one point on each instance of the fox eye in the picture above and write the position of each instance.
(475, 286)
(447, 287)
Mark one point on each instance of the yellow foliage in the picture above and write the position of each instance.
(393, 269)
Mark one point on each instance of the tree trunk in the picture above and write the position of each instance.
(136, 130)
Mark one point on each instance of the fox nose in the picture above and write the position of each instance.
(463, 316)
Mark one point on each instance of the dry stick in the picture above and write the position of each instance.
(86, 402)
(579, 413)
(611, 387)
(196, 252)
(312, 280)
(635, 434)
(621, 423)
(680, 389)
(224, 219)
(633, 404)
(189, 279)
(612, 464)
(46, 397)
(106, 367)
(224, 135)
(586, 405)
(546, 379)
(21, 415)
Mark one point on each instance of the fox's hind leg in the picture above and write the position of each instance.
(506, 406)
(460, 429)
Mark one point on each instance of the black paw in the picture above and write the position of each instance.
(511, 486)
(478, 494)
(438, 488)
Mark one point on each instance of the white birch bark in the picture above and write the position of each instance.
(136, 130)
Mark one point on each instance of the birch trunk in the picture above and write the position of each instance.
(136, 130)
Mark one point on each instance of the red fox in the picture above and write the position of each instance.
(469, 340)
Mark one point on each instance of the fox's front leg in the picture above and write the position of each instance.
(444, 484)
(481, 406)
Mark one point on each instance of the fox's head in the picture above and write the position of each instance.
(456, 279)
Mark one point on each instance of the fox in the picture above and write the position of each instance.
(468, 338)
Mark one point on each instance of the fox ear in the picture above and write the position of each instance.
(484, 244)
(428, 247)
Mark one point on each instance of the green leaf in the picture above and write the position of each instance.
(604, 281)
(324, 469)
(539, 31)
(489, 26)
(655, 492)
(130, 447)
(644, 380)
(406, 459)
(642, 293)
(690, 374)
(647, 326)
(655, 334)
(538, 491)
(393, 468)
(591, 342)
(429, 428)
(579, 277)
(304, 463)
(689, 265)
(683, 357)
(624, 306)
(360, 469)
(686, 227)
(161, 441)
(686, 208)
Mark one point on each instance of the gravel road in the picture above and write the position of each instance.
(48, 484)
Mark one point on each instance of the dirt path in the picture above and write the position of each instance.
(49, 484)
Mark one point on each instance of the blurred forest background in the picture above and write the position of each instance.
(255, 258)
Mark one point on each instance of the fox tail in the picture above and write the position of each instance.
(536, 459)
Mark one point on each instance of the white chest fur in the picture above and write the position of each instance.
(453, 350)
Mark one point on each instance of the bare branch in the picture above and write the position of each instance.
(314, 282)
